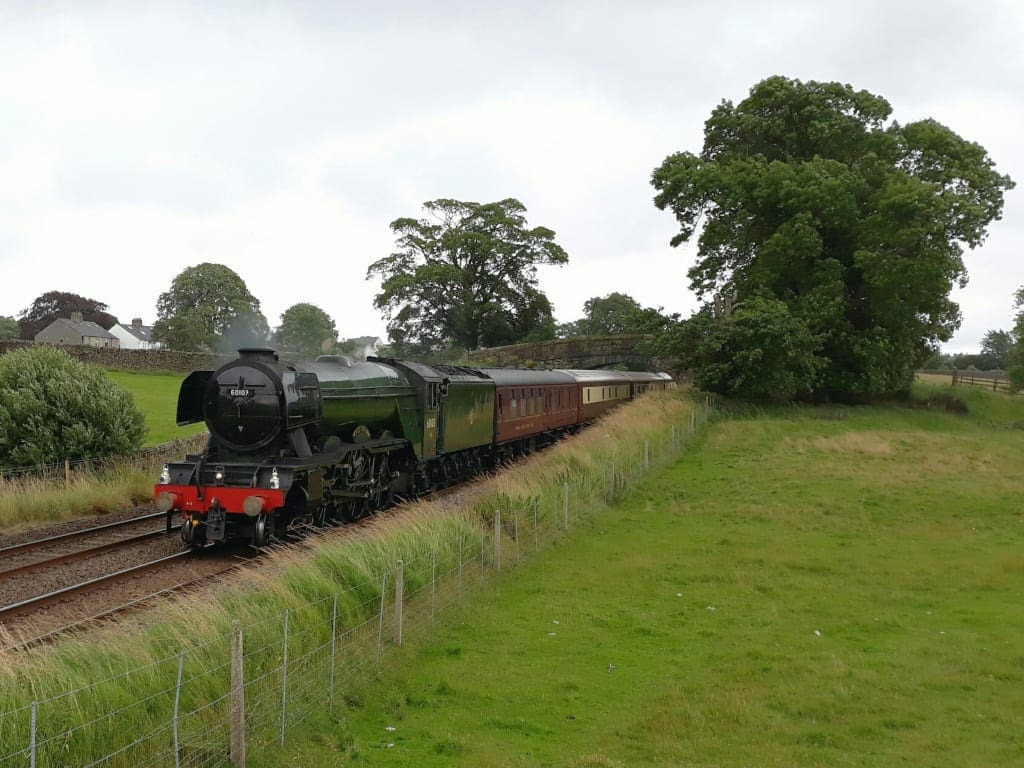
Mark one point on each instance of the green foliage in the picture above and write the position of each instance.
(9, 328)
(760, 351)
(997, 345)
(466, 275)
(209, 307)
(53, 408)
(616, 314)
(305, 330)
(803, 191)
(56, 304)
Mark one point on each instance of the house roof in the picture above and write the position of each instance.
(140, 332)
(365, 340)
(83, 328)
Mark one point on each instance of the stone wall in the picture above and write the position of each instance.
(134, 359)
(588, 352)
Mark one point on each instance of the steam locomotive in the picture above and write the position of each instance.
(335, 440)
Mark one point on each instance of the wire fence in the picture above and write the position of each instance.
(242, 692)
(65, 472)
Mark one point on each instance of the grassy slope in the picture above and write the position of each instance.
(156, 395)
(895, 534)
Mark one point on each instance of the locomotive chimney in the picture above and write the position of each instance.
(258, 354)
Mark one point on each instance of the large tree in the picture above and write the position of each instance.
(805, 193)
(997, 345)
(203, 303)
(616, 314)
(306, 330)
(466, 274)
(55, 304)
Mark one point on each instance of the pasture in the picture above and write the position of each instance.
(806, 586)
(156, 395)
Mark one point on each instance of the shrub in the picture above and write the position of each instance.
(53, 408)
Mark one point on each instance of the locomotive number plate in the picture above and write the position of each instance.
(235, 392)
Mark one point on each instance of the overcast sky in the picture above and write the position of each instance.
(281, 138)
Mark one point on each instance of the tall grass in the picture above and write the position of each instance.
(133, 668)
(94, 488)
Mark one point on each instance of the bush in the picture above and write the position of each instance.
(54, 408)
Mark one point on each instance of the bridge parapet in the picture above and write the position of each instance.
(584, 352)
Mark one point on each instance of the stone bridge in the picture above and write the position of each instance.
(580, 353)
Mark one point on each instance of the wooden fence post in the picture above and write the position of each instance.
(497, 540)
(67, 473)
(565, 505)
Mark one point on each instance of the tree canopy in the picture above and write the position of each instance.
(616, 314)
(804, 193)
(53, 407)
(9, 328)
(55, 304)
(305, 329)
(206, 303)
(466, 275)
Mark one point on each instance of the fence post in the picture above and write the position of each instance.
(334, 648)
(237, 749)
(433, 585)
(67, 473)
(647, 455)
(497, 540)
(32, 737)
(565, 505)
(515, 526)
(460, 564)
(536, 531)
(177, 709)
(380, 622)
(399, 599)
(284, 677)
(673, 441)
(614, 490)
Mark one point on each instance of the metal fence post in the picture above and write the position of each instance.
(334, 648)
(32, 737)
(536, 530)
(284, 676)
(399, 599)
(380, 622)
(433, 585)
(565, 505)
(237, 748)
(497, 540)
(177, 709)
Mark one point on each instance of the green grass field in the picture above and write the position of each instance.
(156, 395)
(807, 586)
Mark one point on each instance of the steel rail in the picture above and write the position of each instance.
(51, 597)
(82, 553)
(28, 545)
(52, 636)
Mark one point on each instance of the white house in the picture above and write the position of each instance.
(136, 335)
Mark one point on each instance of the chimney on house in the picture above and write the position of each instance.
(136, 322)
(76, 316)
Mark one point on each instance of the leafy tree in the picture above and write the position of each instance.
(465, 275)
(305, 329)
(55, 304)
(9, 328)
(617, 314)
(759, 351)
(53, 407)
(202, 304)
(998, 345)
(858, 227)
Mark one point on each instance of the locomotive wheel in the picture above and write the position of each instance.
(263, 529)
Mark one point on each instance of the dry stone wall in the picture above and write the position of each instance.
(133, 359)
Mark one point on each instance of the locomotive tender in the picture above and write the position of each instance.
(336, 440)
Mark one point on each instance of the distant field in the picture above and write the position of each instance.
(808, 586)
(156, 395)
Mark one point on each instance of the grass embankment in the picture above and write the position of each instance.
(98, 487)
(811, 586)
(126, 680)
